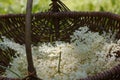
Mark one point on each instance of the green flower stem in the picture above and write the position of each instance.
(59, 62)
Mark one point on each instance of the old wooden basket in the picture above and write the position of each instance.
(58, 23)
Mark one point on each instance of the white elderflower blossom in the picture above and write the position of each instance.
(88, 53)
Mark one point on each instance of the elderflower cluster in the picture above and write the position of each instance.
(88, 53)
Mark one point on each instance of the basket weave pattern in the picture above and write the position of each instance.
(58, 24)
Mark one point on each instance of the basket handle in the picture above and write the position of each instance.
(55, 8)
(58, 6)
(31, 69)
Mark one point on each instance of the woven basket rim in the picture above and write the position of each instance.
(66, 14)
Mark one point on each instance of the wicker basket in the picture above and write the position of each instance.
(58, 24)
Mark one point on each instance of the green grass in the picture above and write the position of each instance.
(94, 5)
(19, 6)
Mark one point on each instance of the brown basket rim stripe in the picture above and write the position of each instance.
(101, 75)
(66, 14)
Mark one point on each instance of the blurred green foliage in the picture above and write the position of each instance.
(19, 6)
(94, 5)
